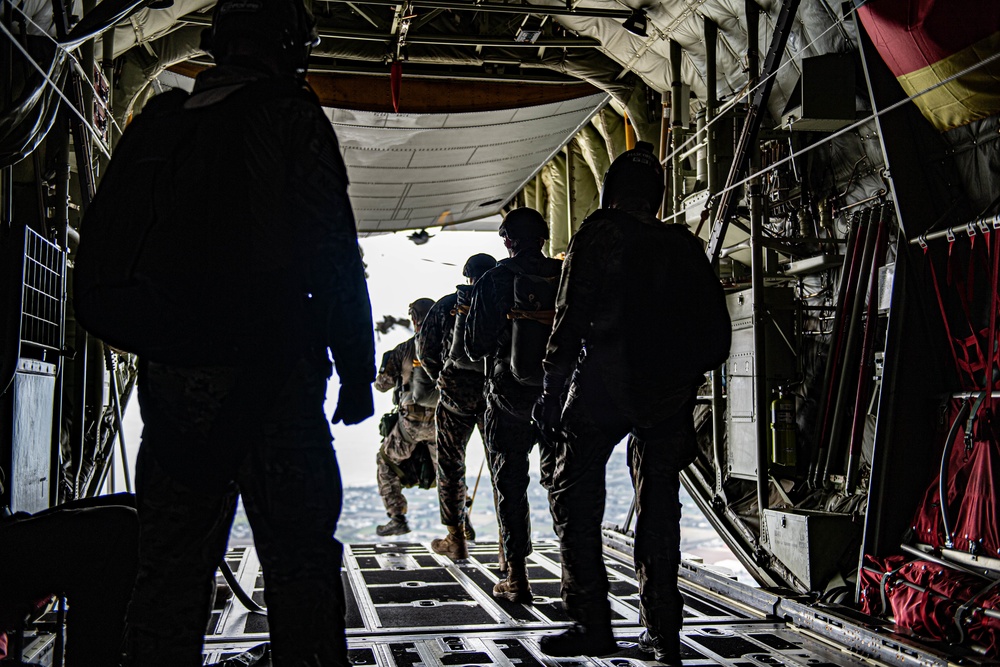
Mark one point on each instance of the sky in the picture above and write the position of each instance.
(399, 272)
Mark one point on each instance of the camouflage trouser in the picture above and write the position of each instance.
(453, 433)
(405, 436)
(291, 490)
(576, 500)
(509, 438)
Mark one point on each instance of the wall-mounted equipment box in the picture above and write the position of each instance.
(823, 100)
(810, 543)
(778, 317)
(30, 454)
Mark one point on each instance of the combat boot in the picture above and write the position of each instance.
(595, 640)
(515, 587)
(663, 651)
(454, 546)
(397, 526)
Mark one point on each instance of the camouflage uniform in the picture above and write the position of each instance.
(414, 428)
(510, 433)
(459, 411)
(256, 426)
(616, 302)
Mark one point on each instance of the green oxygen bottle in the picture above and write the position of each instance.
(783, 429)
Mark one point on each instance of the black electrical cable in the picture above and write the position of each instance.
(241, 595)
(943, 468)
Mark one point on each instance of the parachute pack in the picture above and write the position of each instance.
(165, 269)
(532, 316)
(672, 300)
(456, 352)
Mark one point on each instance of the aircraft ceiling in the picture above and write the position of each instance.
(410, 171)
(462, 66)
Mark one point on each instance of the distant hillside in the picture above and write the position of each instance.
(363, 510)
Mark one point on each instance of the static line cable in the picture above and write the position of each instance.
(746, 92)
(76, 61)
(859, 123)
(238, 591)
(77, 66)
(62, 95)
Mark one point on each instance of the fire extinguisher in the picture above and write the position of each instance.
(783, 429)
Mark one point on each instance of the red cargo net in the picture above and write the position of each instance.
(960, 508)
(969, 304)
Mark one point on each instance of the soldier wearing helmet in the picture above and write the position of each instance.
(510, 434)
(441, 349)
(640, 316)
(251, 422)
(411, 438)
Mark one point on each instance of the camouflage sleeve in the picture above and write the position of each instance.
(391, 370)
(338, 280)
(578, 298)
(431, 339)
(486, 327)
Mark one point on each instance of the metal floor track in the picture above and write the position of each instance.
(408, 607)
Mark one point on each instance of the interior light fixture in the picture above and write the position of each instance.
(636, 23)
(530, 30)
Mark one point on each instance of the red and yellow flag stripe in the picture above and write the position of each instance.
(924, 42)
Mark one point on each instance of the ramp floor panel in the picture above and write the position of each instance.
(409, 607)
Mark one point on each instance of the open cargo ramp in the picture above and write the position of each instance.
(408, 607)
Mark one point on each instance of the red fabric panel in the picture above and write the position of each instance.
(977, 526)
(912, 34)
(930, 607)
(927, 524)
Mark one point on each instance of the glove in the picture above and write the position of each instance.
(354, 404)
(547, 416)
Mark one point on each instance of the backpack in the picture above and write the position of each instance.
(456, 352)
(161, 270)
(532, 316)
(677, 305)
(423, 389)
(417, 470)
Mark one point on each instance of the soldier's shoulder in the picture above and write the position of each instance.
(445, 303)
(166, 101)
(401, 348)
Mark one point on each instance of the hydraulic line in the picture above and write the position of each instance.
(835, 450)
(943, 469)
(847, 280)
(865, 368)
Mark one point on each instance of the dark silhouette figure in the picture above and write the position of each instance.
(510, 434)
(441, 348)
(262, 190)
(640, 315)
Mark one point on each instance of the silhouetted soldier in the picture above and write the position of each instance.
(412, 436)
(640, 315)
(245, 416)
(441, 348)
(510, 433)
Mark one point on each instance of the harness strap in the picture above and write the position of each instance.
(546, 317)
(944, 314)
